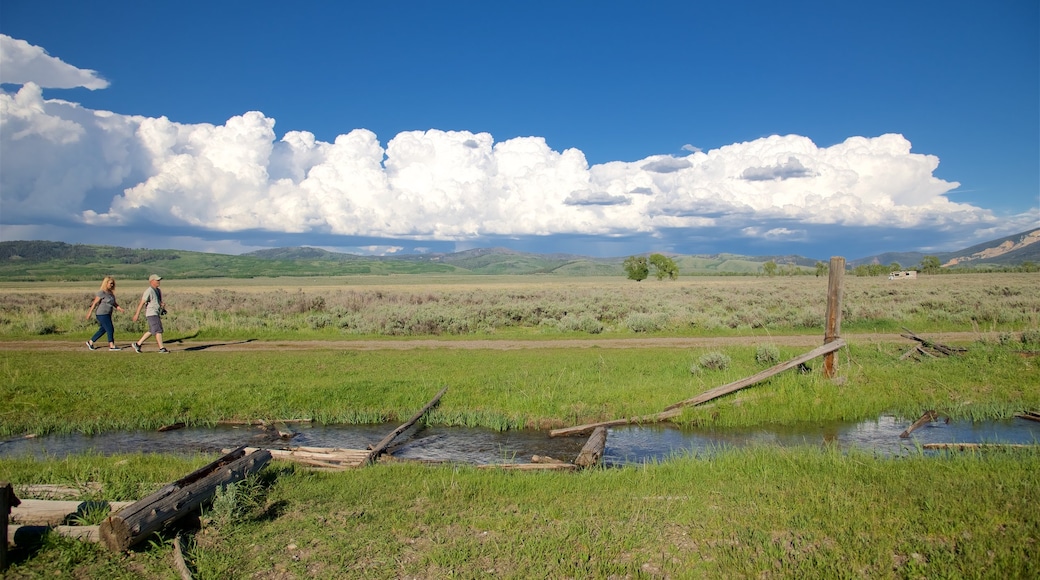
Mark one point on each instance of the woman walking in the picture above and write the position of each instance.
(105, 301)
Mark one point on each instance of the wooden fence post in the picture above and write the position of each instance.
(7, 501)
(833, 331)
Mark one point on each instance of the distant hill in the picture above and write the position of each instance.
(1008, 251)
(45, 260)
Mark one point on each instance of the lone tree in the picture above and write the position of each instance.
(769, 268)
(930, 265)
(637, 268)
(664, 266)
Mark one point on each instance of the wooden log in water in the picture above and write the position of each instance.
(1031, 415)
(382, 445)
(927, 417)
(589, 428)
(530, 466)
(759, 377)
(593, 450)
(140, 519)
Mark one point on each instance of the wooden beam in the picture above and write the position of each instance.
(589, 428)
(759, 377)
(22, 535)
(140, 519)
(47, 512)
(592, 452)
(382, 445)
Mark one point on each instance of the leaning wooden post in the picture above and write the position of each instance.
(833, 332)
(7, 501)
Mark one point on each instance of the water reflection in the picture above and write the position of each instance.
(625, 445)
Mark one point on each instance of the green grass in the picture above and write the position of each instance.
(763, 512)
(86, 391)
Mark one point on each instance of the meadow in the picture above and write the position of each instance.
(336, 308)
(762, 512)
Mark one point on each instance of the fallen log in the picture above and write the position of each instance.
(1031, 415)
(382, 445)
(25, 535)
(48, 512)
(140, 519)
(947, 350)
(545, 459)
(759, 377)
(591, 453)
(530, 466)
(172, 427)
(927, 417)
(583, 429)
(973, 446)
(53, 491)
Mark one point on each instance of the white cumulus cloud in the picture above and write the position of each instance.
(21, 63)
(67, 164)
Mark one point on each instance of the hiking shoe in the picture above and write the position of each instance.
(163, 350)
(114, 348)
(137, 347)
(90, 345)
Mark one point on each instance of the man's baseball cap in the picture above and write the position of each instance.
(154, 277)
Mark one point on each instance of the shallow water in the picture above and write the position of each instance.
(625, 445)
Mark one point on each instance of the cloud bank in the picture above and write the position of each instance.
(65, 165)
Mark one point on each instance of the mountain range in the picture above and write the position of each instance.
(46, 260)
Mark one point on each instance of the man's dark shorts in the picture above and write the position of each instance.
(154, 324)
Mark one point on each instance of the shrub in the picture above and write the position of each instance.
(767, 354)
(642, 322)
(1031, 338)
(715, 360)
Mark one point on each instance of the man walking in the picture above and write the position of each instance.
(156, 307)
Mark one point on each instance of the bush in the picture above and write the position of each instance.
(1031, 338)
(715, 361)
(642, 322)
(767, 354)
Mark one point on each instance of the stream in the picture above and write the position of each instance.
(625, 445)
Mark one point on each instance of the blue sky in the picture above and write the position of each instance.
(597, 128)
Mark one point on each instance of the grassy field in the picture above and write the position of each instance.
(532, 306)
(761, 512)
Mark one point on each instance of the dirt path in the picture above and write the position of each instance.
(189, 345)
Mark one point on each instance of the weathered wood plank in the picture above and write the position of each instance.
(382, 445)
(49, 512)
(759, 377)
(591, 453)
(589, 428)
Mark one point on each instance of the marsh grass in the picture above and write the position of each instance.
(754, 512)
(58, 392)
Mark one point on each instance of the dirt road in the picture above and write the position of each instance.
(190, 345)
